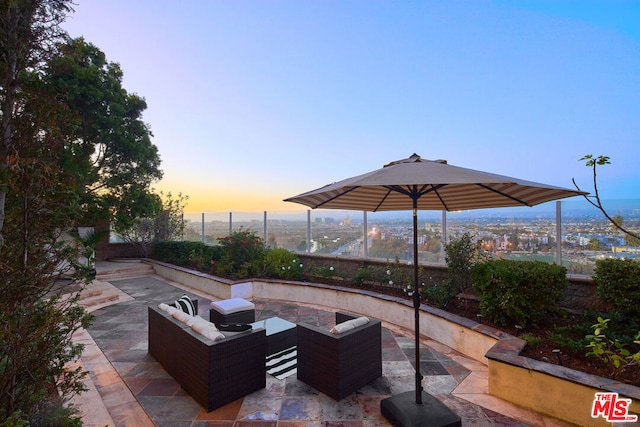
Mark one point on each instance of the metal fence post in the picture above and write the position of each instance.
(444, 234)
(366, 236)
(558, 233)
(308, 231)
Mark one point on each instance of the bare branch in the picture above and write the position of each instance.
(594, 163)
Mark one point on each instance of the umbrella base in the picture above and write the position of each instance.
(402, 410)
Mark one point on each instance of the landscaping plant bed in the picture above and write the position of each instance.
(544, 347)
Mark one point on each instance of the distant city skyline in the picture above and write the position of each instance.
(255, 101)
(629, 208)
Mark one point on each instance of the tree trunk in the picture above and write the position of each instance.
(12, 54)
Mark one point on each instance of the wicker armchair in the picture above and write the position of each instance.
(213, 373)
(339, 364)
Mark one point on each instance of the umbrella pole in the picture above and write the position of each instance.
(403, 410)
(416, 303)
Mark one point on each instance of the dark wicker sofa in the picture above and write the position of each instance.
(213, 373)
(339, 364)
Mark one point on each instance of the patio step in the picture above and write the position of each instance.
(98, 294)
(125, 271)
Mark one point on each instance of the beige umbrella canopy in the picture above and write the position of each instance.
(421, 184)
(433, 185)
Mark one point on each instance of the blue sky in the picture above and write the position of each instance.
(251, 102)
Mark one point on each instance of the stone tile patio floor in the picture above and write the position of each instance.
(135, 390)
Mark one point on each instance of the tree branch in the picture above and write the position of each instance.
(601, 160)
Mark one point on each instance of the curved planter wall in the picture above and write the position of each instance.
(554, 390)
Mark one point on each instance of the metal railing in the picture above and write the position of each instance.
(519, 233)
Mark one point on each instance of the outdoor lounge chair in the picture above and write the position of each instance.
(339, 364)
(214, 373)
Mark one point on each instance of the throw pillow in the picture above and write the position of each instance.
(185, 304)
(349, 324)
(208, 331)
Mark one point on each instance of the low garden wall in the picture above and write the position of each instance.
(580, 295)
(543, 387)
(551, 389)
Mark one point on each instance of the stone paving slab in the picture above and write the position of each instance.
(119, 334)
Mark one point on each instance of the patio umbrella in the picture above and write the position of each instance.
(419, 184)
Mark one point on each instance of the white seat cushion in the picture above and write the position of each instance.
(233, 305)
(167, 308)
(181, 315)
(208, 330)
(197, 319)
(349, 324)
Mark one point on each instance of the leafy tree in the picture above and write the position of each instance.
(109, 144)
(72, 147)
(38, 314)
(631, 240)
(594, 162)
(170, 224)
(461, 254)
(388, 248)
(595, 244)
(27, 30)
(166, 224)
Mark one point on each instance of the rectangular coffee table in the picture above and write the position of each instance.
(281, 334)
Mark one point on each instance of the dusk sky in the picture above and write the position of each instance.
(251, 102)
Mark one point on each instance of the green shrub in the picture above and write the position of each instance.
(618, 284)
(396, 275)
(242, 255)
(392, 276)
(283, 264)
(612, 351)
(461, 254)
(532, 340)
(321, 273)
(571, 338)
(174, 252)
(519, 292)
(439, 295)
(187, 254)
(365, 274)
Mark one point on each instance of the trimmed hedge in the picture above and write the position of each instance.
(186, 254)
(519, 292)
(618, 284)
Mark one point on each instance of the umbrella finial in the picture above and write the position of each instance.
(411, 159)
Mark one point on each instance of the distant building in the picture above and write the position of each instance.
(324, 220)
